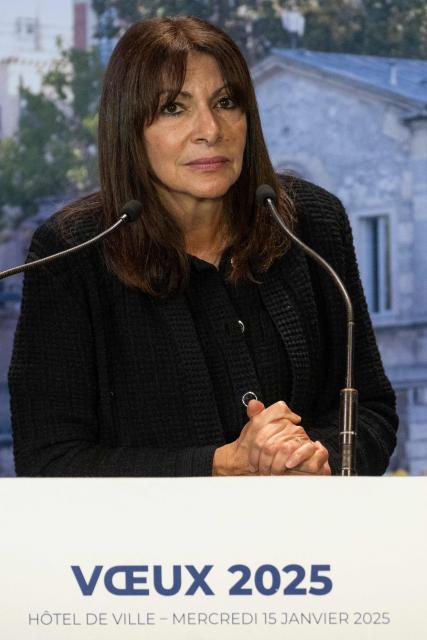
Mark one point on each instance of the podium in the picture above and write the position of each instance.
(202, 558)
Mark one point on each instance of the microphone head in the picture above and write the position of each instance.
(132, 210)
(263, 192)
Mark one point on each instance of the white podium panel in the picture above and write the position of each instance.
(213, 558)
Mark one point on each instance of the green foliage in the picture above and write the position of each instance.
(373, 27)
(396, 28)
(54, 147)
(336, 25)
(393, 28)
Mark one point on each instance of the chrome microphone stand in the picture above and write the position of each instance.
(348, 395)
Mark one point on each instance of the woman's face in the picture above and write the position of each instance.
(195, 144)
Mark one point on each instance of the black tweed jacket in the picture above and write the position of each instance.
(107, 381)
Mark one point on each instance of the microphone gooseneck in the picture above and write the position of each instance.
(128, 213)
(266, 196)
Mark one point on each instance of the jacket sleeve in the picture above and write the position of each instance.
(377, 418)
(53, 387)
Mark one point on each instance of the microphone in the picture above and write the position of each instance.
(266, 196)
(128, 213)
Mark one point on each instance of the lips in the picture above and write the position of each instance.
(208, 161)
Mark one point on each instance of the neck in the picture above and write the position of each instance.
(206, 240)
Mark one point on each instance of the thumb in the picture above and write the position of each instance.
(254, 407)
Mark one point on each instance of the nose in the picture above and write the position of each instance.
(207, 126)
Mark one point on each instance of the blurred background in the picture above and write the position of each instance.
(342, 91)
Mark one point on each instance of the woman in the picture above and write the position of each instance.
(195, 341)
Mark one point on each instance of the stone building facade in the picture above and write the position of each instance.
(357, 125)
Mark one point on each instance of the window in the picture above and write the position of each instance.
(420, 395)
(28, 32)
(375, 249)
(26, 27)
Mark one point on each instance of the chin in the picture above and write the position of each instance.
(210, 194)
(217, 189)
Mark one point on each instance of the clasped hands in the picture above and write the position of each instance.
(272, 442)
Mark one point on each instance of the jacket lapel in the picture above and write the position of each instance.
(287, 294)
(194, 379)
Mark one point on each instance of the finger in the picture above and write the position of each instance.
(319, 445)
(271, 446)
(325, 470)
(284, 428)
(302, 454)
(254, 407)
(314, 464)
(261, 425)
(291, 417)
(325, 451)
(280, 410)
(278, 464)
(288, 413)
(264, 434)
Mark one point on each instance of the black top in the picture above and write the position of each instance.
(239, 341)
(106, 380)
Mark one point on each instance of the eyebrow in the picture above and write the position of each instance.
(187, 94)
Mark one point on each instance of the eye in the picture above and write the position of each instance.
(171, 109)
(226, 102)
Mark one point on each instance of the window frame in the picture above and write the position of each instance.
(360, 219)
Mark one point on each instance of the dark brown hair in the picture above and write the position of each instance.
(150, 253)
